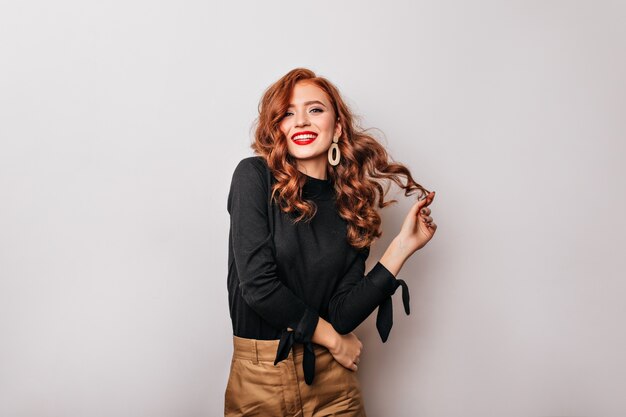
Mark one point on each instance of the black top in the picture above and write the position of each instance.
(284, 275)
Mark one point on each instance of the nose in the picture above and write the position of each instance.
(302, 119)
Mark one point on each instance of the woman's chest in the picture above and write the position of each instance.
(320, 244)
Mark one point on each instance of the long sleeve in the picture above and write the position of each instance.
(357, 295)
(254, 257)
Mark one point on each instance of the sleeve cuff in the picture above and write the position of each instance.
(384, 280)
(306, 327)
(302, 334)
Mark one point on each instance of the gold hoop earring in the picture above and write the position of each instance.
(334, 161)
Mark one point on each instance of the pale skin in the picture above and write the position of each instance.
(311, 110)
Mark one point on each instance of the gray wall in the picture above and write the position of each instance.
(121, 123)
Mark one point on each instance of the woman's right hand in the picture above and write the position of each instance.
(347, 350)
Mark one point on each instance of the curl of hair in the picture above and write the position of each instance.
(364, 162)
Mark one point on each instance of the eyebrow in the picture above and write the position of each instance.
(309, 102)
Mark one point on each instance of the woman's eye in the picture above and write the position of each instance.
(315, 109)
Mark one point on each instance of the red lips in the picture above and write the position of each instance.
(303, 141)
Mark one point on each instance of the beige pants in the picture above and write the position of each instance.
(258, 388)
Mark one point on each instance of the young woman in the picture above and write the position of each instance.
(303, 216)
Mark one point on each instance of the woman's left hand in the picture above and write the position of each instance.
(418, 227)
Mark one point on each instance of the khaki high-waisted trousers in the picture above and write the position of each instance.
(258, 388)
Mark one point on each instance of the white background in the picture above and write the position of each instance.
(121, 123)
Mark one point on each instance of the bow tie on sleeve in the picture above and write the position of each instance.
(287, 339)
(384, 319)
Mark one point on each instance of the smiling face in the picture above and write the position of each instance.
(309, 125)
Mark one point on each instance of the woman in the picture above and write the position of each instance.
(303, 217)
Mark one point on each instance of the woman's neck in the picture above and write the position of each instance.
(314, 168)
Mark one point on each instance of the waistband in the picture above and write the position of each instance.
(262, 350)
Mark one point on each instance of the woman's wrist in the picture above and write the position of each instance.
(395, 256)
(325, 335)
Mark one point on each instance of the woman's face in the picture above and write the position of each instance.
(309, 124)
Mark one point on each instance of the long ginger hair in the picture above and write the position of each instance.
(364, 161)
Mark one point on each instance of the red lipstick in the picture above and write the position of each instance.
(303, 138)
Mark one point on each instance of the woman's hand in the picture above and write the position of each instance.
(418, 227)
(347, 350)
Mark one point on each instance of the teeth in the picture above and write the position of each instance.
(304, 137)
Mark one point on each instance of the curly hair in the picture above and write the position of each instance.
(363, 163)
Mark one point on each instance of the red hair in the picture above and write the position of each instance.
(363, 162)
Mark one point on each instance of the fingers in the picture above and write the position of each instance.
(428, 199)
(351, 355)
(418, 206)
(425, 216)
(424, 201)
(422, 205)
(428, 221)
(415, 208)
(425, 211)
(352, 365)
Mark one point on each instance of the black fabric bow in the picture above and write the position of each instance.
(384, 319)
(287, 339)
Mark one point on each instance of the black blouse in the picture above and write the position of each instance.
(284, 275)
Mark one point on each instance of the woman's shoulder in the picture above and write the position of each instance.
(251, 168)
(254, 160)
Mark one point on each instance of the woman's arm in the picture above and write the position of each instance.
(261, 289)
(253, 255)
(357, 295)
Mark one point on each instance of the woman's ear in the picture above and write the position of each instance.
(338, 129)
